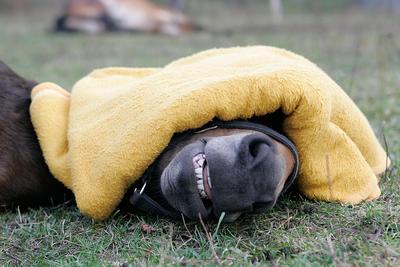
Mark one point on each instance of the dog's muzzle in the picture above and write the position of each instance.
(141, 201)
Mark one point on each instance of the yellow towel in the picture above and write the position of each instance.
(99, 139)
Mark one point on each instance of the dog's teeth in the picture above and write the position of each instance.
(201, 162)
(209, 181)
(200, 186)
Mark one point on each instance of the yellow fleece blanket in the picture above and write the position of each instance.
(100, 138)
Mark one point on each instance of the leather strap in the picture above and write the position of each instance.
(146, 204)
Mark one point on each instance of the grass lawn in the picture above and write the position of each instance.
(359, 49)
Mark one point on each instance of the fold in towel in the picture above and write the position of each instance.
(100, 138)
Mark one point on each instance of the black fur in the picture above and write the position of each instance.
(24, 177)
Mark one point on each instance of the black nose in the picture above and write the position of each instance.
(254, 149)
(244, 169)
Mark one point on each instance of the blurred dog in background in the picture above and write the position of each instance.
(96, 16)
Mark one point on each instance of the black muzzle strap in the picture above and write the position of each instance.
(146, 204)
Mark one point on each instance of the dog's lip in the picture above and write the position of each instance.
(193, 206)
(207, 180)
(201, 210)
(196, 206)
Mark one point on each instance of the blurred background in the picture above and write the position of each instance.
(311, 27)
(350, 39)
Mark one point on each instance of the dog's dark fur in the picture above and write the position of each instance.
(32, 184)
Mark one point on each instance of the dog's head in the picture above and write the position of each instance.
(217, 169)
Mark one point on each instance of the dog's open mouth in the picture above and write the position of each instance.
(202, 174)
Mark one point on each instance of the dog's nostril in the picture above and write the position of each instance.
(256, 147)
(255, 144)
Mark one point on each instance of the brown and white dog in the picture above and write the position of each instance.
(94, 16)
(207, 172)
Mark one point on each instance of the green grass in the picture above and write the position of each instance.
(360, 50)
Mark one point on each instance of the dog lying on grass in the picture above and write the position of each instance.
(255, 164)
(96, 16)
